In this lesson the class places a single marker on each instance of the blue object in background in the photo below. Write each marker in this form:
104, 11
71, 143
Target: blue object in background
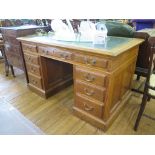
143, 23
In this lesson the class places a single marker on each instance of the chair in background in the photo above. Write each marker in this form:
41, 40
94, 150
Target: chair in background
124, 30
5, 59
143, 55
149, 87
7, 23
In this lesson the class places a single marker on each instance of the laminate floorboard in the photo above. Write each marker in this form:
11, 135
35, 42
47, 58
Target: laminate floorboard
54, 116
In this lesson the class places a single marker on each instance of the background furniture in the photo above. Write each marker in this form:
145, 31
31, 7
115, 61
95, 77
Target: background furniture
102, 75
143, 23
124, 30
4, 56
1, 42
12, 46
149, 88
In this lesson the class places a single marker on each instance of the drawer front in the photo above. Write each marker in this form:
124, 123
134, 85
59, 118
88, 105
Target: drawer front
89, 106
29, 48
65, 55
91, 77
91, 61
90, 91
59, 53
33, 69
45, 50
36, 81
31, 59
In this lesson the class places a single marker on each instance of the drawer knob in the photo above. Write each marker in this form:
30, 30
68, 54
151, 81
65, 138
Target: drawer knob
64, 56
87, 107
34, 82
87, 92
89, 78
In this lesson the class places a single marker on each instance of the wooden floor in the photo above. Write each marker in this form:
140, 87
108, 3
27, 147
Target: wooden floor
54, 115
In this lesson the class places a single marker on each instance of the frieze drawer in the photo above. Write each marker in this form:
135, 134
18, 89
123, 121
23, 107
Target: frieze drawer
45, 50
56, 52
91, 61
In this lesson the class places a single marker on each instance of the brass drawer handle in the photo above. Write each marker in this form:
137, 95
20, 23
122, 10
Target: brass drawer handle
89, 61
87, 107
89, 93
29, 58
34, 82
93, 62
64, 56
33, 69
45, 51
89, 78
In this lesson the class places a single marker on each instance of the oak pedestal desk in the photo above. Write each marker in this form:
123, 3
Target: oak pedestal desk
102, 74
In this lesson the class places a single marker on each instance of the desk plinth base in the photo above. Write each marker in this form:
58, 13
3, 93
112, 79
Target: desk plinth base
53, 90
100, 123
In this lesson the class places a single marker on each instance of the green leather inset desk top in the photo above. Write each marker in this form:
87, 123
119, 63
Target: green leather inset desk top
113, 45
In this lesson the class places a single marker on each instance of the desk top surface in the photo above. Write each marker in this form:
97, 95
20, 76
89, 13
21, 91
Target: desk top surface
113, 46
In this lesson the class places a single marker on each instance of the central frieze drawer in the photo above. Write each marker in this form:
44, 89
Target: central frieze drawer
90, 91
91, 77
33, 69
89, 106
31, 59
59, 53
62, 54
45, 50
34, 80
91, 61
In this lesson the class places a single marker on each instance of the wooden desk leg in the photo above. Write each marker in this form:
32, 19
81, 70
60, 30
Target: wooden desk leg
6, 69
7, 64
12, 70
5, 61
